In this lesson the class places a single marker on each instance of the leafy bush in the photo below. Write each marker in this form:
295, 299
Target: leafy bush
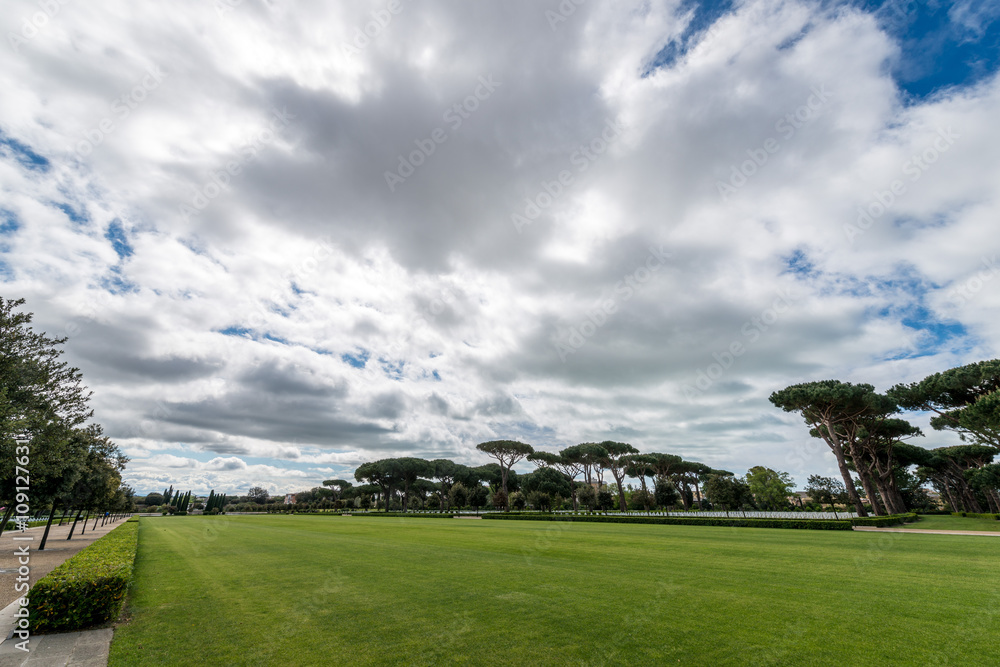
500, 499
517, 500
604, 499
813, 524
975, 515
586, 496
89, 588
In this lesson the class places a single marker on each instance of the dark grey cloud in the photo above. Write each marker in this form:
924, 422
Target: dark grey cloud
122, 354
267, 417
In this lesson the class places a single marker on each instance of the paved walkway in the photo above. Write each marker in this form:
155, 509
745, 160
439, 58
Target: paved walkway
928, 532
88, 648
79, 649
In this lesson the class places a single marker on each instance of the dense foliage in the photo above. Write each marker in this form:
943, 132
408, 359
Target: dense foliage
44, 406
868, 440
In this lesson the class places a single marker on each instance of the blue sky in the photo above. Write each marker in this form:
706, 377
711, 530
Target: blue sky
282, 242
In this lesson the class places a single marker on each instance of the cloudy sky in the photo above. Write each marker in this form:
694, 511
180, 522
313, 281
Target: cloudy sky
284, 238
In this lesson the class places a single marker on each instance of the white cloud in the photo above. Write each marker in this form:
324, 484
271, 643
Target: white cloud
226, 331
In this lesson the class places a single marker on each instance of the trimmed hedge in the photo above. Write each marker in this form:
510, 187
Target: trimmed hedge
882, 521
409, 515
975, 515
810, 524
89, 588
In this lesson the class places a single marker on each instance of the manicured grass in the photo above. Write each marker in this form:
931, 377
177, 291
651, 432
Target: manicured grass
943, 522
299, 590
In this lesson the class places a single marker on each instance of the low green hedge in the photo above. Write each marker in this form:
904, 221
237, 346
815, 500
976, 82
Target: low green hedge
811, 524
409, 515
89, 588
882, 521
976, 515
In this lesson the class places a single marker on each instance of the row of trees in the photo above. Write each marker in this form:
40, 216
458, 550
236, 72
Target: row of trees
862, 430
576, 474
62, 461
859, 425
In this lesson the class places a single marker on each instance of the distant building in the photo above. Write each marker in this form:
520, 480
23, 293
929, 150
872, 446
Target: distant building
289, 498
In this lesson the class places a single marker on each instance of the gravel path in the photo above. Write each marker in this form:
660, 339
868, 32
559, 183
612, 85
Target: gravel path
929, 532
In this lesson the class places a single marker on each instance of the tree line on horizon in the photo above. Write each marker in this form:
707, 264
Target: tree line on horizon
860, 426
573, 477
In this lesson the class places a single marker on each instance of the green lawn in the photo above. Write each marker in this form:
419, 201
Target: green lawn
943, 522
286, 590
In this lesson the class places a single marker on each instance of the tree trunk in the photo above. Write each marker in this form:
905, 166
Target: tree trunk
45, 535
503, 480
970, 500
888, 498
685, 491
994, 497
951, 496
6, 518
621, 492
75, 521
845, 472
872, 493
645, 493
864, 465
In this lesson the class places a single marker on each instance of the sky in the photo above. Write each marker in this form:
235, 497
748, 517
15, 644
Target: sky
284, 238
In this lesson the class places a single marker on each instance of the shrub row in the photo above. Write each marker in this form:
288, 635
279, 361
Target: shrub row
881, 521
409, 515
89, 588
975, 515
813, 524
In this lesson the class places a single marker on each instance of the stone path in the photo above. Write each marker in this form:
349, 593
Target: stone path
929, 532
87, 648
